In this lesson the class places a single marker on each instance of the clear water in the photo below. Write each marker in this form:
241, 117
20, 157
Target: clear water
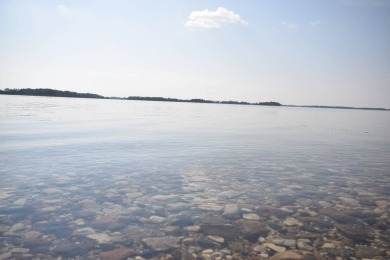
68, 161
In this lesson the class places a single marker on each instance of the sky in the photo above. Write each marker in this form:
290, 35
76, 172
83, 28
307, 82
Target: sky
301, 52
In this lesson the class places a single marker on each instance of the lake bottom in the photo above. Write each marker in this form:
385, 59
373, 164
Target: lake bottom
278, 212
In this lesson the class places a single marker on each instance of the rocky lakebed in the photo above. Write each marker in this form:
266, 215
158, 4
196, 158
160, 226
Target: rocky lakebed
196, 215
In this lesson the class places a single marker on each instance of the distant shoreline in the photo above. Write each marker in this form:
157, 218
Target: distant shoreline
341, 107
60, 93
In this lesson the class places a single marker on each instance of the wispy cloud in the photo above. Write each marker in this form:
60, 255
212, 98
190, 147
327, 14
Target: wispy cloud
213, 19
63, 10
289, 25
315, 23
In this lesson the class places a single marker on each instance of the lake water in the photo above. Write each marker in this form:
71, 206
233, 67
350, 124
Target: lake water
118, 179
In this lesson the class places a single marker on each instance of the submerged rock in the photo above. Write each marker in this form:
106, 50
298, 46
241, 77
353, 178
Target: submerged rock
251, 230
230, 209
70, 249
17, 227
217, 239
251, 216
356, 233
160, 244
100, 237
337, 215
228, 232
287, 255
20, 202
275, 248
368, 252
117, 254
110, 222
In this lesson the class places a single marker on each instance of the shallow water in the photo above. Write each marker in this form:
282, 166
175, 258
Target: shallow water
90, 179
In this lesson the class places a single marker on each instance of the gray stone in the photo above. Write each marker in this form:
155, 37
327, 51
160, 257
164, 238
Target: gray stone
356, 233
117, 254
100, 237
229, 194
284, 242
160, 244
20, 202
251, 230
17, 227
368, 252
251, 216
275, 248
287, 255
4, 256
230, 209
228, 232
20, 250
337, 215
217, 239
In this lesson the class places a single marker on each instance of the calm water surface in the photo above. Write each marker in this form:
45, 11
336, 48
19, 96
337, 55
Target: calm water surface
117, 179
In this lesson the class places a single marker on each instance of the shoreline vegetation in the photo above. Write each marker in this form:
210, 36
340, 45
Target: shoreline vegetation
60, 93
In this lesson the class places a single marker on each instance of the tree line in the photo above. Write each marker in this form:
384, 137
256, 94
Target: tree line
47, 92
61, 93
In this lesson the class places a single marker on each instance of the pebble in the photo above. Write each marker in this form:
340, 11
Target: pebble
160, 244
228, 232
275, 247
79, 222
207, 251
292, 222
284, 242
20, 202
20, 250
303, 246
192, 228
217, 239
49, 209
4, 195
156, 219
17, 227
5, 256
84, 231
117, 254
251, 216
251, 230
260, 249
100, 237
230, 209
288, 255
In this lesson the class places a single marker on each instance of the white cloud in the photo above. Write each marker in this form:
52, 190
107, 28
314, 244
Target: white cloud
66, 11
63, 10
289, 25
213, 19
315, 23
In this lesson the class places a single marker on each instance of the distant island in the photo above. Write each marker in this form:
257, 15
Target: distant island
46, 92
60, 93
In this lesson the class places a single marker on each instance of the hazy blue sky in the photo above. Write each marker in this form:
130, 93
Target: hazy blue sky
330, 52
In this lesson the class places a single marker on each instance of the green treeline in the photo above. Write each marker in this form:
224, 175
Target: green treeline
48, 92
60, 93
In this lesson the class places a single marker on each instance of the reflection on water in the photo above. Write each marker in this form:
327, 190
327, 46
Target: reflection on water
115, 179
